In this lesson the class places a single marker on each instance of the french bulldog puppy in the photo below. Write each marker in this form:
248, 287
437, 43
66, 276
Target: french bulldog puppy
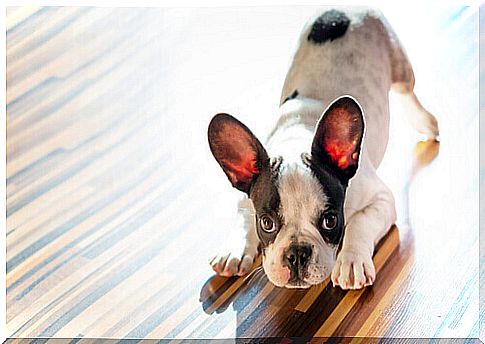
313, 204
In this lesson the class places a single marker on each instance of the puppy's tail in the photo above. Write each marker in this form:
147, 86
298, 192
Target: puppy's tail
403, 84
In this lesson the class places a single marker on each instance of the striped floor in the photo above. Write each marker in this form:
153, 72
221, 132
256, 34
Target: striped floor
115, 205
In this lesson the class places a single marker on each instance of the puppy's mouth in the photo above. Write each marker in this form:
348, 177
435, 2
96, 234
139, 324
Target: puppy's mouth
285, 278
297, 283
297, 279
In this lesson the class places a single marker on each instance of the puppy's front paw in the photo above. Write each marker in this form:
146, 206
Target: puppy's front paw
232, 264
353, 270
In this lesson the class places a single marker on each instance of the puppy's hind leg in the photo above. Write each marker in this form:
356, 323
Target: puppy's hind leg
421, 120
403, 84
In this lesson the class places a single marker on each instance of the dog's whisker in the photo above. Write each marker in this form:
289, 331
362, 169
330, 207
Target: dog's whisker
259, 277
254, 275
251, 275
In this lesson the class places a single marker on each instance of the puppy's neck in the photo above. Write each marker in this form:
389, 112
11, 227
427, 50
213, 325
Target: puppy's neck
293, 132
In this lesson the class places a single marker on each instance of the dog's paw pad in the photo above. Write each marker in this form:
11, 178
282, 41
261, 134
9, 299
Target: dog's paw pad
232, 264
353, 270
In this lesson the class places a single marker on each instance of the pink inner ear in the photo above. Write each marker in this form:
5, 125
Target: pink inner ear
242, 163
243, 170
342, 153
237, 151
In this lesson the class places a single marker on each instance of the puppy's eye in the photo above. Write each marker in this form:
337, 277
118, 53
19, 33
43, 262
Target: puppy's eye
267, 224
329, 222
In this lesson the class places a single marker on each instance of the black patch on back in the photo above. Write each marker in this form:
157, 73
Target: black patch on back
292, 96
329, 26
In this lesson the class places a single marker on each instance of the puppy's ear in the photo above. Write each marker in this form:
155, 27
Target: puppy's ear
338, 137
237, 150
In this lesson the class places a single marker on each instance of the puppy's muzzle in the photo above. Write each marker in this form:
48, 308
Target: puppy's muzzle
297, 257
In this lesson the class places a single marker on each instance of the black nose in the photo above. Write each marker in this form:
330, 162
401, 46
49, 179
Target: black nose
297, 256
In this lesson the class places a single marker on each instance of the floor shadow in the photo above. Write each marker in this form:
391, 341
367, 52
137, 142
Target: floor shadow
262, 308
219, 292
424, 153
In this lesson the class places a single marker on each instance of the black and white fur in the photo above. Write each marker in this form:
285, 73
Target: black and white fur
316, 206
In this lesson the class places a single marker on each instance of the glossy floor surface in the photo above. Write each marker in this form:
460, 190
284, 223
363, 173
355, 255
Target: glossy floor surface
115, 205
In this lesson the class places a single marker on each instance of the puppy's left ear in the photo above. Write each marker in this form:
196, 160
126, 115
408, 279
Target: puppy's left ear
338, 137
237, 150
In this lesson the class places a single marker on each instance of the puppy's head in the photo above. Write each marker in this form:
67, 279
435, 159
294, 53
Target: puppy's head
299, 207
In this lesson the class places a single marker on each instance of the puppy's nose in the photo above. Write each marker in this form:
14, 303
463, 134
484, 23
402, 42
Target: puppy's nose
298, 255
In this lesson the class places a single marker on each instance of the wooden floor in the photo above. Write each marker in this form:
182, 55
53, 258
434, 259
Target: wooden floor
115, 205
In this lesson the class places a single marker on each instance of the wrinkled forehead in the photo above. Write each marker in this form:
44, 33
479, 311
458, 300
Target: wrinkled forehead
302, 197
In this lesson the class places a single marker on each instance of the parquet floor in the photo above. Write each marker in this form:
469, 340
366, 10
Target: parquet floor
114, 203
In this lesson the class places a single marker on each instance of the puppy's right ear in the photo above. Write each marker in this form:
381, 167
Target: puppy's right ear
238, 152
339, 136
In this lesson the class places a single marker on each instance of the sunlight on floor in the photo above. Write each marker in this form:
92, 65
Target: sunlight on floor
114, 202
